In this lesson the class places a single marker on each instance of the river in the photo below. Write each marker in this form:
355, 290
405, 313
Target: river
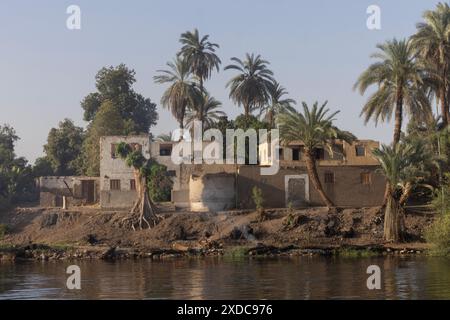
231, 278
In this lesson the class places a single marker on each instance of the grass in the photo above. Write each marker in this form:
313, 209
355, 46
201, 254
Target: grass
356, 253
236, 252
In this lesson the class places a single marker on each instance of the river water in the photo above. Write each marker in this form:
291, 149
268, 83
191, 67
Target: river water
231, 278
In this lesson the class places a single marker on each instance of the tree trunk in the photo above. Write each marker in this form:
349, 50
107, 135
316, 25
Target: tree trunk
406, 193
312, 173
393, 216
143, 211
398, 118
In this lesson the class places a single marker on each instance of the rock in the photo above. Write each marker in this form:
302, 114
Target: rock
91, 239
348, 232
110, 253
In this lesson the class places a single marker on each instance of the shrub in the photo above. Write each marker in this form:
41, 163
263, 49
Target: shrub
438, 234
257, 197
3, 230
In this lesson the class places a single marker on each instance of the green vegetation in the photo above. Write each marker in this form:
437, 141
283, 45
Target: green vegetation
258, 199
159, 183
356, 253
3, 230
236, 252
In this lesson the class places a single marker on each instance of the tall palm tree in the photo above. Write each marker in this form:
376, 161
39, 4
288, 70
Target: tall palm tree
164, 137
432, 43
399, 81
200, 55
182, 91
208, 106
277, 103
401, 165
250, 87
314, 127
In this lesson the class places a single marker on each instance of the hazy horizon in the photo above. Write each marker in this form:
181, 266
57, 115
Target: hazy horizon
316, 50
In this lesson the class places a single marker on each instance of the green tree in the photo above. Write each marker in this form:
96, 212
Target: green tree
314, 127
114, 84
144, 210
432, 43
277, 103
400, 84
208, 106
63, 147
159, 183
200, 55
401, 165
250, 87
43, 167
108, 121
182, 91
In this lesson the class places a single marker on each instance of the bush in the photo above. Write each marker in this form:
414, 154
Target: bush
438, 234
159, 183
3, 230
257, 197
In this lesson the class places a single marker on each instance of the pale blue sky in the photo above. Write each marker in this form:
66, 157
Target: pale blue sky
317, 49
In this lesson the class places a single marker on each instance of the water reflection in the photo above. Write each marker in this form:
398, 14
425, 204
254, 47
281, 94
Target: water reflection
219, 278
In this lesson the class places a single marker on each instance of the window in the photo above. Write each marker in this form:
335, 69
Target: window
360, 151
319, 153
366, 178
114, 184
132, 184
165, 150
171, 173
295, 153
113, 150
281, 154
329, 177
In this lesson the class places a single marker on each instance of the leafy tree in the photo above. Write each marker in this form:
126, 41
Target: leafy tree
159, 183
144, 210
114, 84
250, 87
200, 56
401, 165
400, 84
64, 147
43, 167
432, 43
314, 127
208, 106
277, 103
164, 137
107, 122
182, 91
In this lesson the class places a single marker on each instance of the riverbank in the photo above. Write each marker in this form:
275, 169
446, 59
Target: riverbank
90, 233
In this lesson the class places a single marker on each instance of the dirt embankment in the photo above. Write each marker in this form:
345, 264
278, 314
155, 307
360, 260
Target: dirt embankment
97, 233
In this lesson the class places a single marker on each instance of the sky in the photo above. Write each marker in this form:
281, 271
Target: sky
317, 49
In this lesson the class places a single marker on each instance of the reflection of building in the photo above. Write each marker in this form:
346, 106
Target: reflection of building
349, 177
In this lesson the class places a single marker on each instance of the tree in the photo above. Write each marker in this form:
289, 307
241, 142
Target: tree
277, 103
205, 110
114, 84
144, 210
64, 147
200, 56
43, 167
182, 91
432, 43
164, 137
399, 81
314, 127
250, 88
107, 122
400, 164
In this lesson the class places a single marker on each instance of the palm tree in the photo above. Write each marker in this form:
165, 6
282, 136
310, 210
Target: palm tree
277, 103
200, 55
432, 43
208, 106
250, 87
401, 165
164, 137
182, 92
399, 81
315, 129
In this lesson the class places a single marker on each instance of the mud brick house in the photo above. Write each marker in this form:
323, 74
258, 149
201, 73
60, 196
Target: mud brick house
349, 175
77, 190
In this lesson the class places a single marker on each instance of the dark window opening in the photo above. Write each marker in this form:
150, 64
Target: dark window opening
281, 154
296, 154
319, 154
114, 184
132, 184
113, 150
171, 173
329, 177
165, 150
366, 178
360, 151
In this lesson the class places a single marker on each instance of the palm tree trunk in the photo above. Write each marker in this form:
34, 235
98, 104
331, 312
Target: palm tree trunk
444, 105
202, 93
393, 216
406, 193
312, 173
398, 117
